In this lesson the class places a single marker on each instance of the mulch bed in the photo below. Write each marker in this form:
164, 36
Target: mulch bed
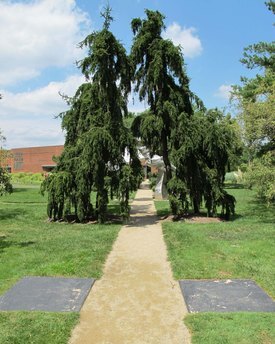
193, 219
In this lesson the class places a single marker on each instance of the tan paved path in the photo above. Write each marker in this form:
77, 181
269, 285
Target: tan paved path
136, 301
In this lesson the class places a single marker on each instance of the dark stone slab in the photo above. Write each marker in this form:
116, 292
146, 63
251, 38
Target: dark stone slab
225, 296
52, 294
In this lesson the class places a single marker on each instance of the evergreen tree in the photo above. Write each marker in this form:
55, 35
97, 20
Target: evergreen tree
201, 156
96, 138
198, 146
161, 81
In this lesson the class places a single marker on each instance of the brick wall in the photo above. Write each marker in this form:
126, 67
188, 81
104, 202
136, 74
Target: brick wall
39, 159
33, 159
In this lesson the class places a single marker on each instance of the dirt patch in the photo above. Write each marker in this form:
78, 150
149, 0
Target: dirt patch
192, 219
225, 274
203, 219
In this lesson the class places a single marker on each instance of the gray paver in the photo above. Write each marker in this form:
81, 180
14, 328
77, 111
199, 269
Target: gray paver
225, 296
53, 294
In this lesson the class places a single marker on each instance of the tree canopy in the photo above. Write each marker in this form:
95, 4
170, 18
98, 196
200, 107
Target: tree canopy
256, 96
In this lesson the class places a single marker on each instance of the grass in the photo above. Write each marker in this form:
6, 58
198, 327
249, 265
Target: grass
162, 208
241, 248
36, 327
241, 328
31, 246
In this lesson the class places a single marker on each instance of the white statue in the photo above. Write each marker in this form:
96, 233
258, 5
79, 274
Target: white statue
160, 189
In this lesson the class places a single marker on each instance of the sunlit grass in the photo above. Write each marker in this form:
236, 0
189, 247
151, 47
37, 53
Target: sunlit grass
232, 328
36, 327
241, 248
32, 246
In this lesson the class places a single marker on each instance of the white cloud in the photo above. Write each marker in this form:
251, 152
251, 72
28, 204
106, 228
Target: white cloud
186, 38
30, 133
27, 118
224, 92
39, 34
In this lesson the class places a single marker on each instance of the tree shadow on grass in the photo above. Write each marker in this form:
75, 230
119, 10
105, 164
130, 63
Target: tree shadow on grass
164, 212
262, 212
234, 186
235, 217
22, 196
5, 243
25, 243
16, 190
6, 214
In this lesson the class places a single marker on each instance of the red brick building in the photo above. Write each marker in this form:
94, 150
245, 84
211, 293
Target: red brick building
40, 160
33, 159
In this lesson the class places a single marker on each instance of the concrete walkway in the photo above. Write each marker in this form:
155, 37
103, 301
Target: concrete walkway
137, 300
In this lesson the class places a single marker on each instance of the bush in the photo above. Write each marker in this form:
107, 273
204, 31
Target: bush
5, 185
261, 176
233, 177
27, 178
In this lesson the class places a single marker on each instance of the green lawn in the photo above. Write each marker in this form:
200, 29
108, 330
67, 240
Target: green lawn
36, 327
232, 328
31, 246
241, 248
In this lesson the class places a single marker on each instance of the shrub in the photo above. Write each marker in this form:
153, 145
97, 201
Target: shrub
261, 176
5, 185
233, 177
27, 178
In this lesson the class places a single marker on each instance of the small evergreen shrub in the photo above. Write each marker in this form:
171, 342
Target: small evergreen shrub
27, 178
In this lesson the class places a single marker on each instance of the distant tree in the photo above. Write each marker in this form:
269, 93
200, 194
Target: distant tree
256, 101
261, 54
260, 174
96, 137
256, 96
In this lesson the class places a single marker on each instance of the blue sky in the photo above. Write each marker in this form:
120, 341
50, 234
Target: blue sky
39, 48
